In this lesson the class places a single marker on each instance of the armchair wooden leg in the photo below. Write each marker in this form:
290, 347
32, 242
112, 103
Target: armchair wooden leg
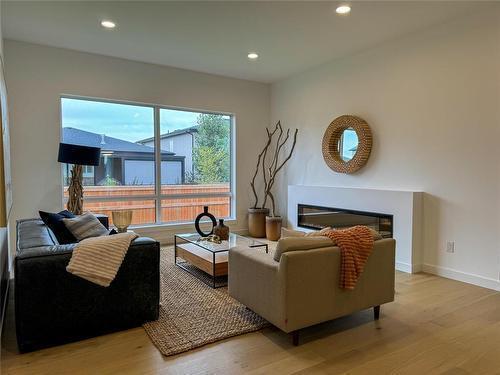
376, 312
295, 338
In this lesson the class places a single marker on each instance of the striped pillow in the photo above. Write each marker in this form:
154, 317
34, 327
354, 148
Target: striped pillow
85, 226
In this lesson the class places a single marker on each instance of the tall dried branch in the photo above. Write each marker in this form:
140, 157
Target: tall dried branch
274, 160
252, 183
289, 154
270, 139
273, 203
275, 157
262, 157
279, 146
278, 166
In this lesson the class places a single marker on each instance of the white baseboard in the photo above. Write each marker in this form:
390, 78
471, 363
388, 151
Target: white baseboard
465, 277
404, 267
408, 268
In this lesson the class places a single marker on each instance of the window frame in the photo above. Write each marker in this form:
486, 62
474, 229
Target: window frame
158, 196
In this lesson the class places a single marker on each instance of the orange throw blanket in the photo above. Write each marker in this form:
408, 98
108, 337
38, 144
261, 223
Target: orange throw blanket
356, 245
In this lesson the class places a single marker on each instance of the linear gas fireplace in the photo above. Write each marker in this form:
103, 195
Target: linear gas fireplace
317, 217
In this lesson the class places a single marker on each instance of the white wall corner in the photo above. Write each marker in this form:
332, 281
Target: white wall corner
409, 268
417, 257
404, 267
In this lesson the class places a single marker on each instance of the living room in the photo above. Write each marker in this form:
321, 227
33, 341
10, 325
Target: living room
297, 124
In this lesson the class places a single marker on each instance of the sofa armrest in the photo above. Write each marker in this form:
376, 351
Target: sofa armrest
143, 241
254, 280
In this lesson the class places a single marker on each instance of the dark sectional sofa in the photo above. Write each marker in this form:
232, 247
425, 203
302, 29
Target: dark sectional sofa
54, 307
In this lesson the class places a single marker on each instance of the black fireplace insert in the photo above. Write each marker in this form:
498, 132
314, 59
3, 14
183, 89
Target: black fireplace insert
317, 217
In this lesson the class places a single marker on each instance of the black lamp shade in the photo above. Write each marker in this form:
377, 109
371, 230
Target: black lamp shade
76, 154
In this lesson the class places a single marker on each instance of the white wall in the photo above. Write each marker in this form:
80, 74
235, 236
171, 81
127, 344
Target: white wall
433, 102
38, 75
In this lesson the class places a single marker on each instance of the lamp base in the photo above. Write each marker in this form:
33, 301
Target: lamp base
75, 190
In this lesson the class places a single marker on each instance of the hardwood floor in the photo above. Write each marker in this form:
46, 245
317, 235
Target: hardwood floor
435, 326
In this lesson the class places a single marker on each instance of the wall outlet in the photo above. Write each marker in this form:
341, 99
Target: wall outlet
450, 246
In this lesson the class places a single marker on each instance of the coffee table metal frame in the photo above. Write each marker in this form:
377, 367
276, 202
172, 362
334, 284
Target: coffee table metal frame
213, 283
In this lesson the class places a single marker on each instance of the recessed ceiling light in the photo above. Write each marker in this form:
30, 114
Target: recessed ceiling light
108, 24
253, 56
343, 9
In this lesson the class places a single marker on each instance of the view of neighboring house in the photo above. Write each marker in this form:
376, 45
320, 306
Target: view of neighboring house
180, 142
124, 162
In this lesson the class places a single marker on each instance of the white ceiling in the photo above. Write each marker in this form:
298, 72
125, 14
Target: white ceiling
215, 37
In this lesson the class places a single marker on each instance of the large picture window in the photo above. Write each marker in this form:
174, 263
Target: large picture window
164, 164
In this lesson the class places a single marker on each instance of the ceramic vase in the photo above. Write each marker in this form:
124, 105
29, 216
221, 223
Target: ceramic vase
222, 230
204, 214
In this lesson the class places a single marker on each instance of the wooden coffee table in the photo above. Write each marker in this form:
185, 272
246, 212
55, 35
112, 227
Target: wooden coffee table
209, 257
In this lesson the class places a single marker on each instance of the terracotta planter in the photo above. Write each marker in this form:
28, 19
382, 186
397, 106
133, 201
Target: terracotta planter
257, 222
273, 228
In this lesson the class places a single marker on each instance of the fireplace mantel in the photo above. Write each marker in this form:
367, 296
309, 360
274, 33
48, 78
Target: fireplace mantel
404, 206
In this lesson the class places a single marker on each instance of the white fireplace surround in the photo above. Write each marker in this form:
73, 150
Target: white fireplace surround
405, 206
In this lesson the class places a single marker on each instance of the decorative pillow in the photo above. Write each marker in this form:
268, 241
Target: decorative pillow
85, 226
317, 233
376, 235
55, 223
298, 233
300, 243
306, 241
285, 233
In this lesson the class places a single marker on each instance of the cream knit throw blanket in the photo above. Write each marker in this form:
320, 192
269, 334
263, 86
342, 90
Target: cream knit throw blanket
97, 259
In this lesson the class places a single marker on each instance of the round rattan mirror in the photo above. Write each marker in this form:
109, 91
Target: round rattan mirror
347, 144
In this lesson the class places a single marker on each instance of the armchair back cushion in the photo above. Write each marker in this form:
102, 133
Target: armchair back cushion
300, 243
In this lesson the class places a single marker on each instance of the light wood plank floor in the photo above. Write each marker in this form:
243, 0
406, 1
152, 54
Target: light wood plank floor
435, 326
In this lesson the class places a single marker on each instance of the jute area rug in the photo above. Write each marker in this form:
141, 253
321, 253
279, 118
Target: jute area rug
192, 314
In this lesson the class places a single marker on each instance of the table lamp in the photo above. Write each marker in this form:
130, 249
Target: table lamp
77, 155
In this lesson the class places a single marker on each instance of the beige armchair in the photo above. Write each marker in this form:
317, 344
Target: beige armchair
302, 288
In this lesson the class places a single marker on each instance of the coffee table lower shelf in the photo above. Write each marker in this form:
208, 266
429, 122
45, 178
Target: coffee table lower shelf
206, 261
214, 265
